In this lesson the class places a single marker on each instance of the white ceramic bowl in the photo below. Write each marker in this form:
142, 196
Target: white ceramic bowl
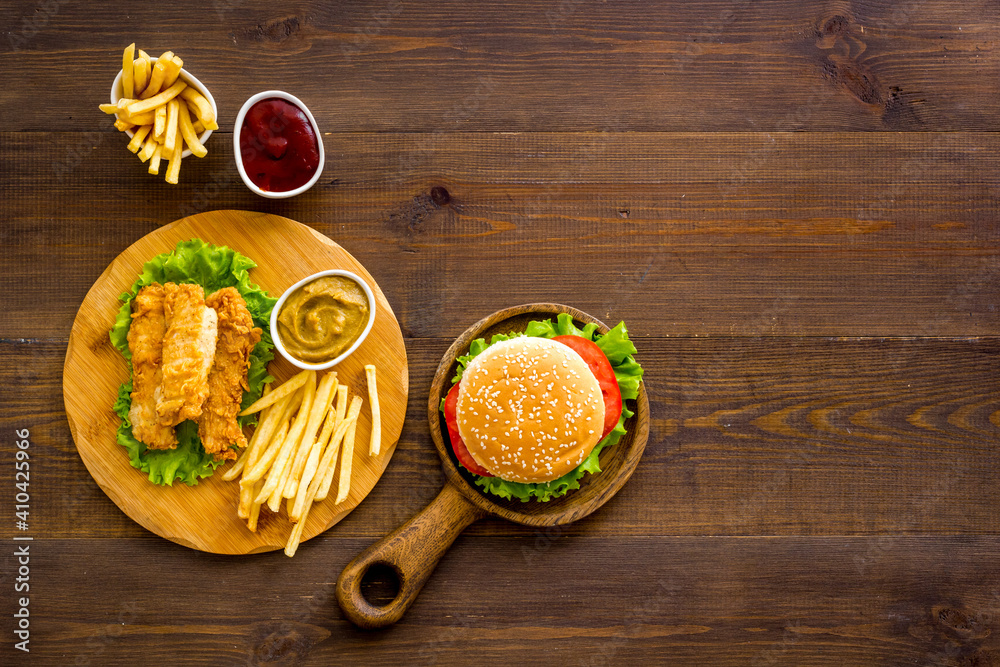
239, 155
116, 94
276, 336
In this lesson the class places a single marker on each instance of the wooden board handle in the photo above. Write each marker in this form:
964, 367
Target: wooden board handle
412, 551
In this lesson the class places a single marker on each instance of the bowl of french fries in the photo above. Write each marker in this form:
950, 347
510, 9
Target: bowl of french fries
165, 110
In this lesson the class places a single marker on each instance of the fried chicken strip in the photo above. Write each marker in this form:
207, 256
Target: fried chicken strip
188, 353
227, 380
145, 342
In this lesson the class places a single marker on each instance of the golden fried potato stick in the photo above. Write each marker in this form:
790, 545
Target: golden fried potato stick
139, 137
128, 87
123, 125
154, 160
159, 121
290, 444
265, 453
142, 119
248, 493
343, 427
329, 462
202, 108
254, 510
117, 108
156, 100
347, 451
140, 75
288, 387
187, 131
172, 70
327, 465
274, 500
170, 134
274, 446
157, 76
334, 445
324, 398
314, 465
376, 441
283, 466
148, 148
296, 537
174, 168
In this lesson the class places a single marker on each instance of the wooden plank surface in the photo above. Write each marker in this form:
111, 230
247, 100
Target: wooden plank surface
749, 436
793, 205
711, 600
388, 65
679, 234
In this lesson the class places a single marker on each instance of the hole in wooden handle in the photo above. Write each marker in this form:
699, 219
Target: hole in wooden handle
381, 583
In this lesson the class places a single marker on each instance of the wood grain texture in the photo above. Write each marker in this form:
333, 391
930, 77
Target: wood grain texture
793, 205
719, 65
713, 600
203, 516
748, 436
678, 234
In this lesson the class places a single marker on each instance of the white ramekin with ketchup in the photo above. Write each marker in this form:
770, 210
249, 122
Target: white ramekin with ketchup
278, 148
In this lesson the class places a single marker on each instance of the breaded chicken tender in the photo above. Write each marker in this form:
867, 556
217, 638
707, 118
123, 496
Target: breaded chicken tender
227, 380
188, 353
145, 342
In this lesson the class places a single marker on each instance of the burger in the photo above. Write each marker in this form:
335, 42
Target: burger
529, 414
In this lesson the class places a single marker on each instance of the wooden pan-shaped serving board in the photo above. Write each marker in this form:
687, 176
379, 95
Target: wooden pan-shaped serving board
204, 516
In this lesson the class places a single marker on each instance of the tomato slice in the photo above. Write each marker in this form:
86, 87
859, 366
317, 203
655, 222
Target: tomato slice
601, 368
461, 451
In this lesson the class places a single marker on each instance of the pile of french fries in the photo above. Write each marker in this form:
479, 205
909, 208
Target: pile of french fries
162, 111
303, 425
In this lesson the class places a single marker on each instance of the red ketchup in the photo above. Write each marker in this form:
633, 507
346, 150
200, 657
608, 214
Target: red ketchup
278, 146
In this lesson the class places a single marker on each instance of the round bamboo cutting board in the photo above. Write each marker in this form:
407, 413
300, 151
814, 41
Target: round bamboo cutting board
204, 516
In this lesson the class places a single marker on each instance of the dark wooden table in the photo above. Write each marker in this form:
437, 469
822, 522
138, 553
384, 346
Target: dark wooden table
793, 205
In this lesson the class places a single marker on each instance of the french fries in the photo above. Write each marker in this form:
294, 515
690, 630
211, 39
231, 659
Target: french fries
159, 122
154, 161
140, 73
306, 424
128, 74
286, 389
320, 408
148, 148
156, 100
187, 131
164, 113
174, 168
347, 452
170, 133
376, 441
201, 108
338, 437
138, 138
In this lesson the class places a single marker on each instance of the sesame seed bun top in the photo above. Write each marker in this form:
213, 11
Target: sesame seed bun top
529, 409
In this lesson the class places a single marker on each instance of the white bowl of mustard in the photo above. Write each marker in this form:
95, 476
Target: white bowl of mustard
322, 319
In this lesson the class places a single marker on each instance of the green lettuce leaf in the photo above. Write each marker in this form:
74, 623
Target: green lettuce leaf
619, 350
212, 267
